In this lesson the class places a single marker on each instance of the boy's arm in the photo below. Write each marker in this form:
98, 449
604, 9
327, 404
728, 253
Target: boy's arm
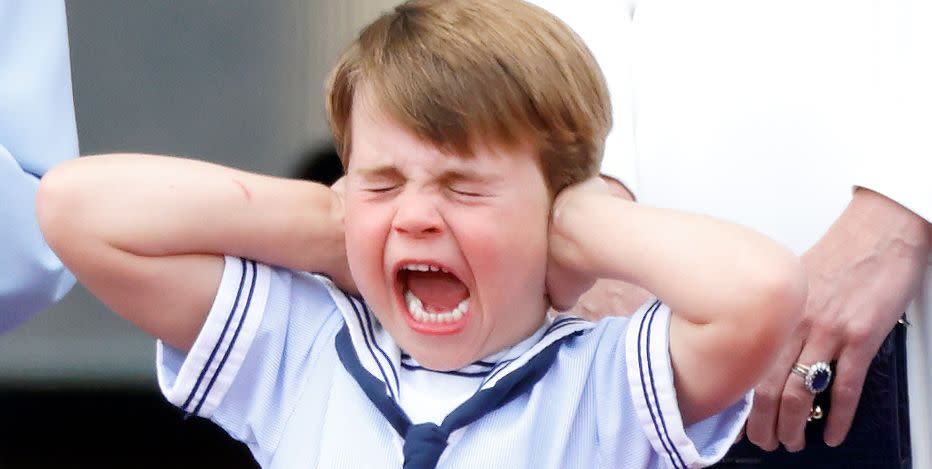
735, 294
146, 234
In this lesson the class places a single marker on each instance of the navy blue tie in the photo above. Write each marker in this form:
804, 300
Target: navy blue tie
425, 442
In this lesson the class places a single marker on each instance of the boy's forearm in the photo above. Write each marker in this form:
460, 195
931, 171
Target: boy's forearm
699, 266
162, 206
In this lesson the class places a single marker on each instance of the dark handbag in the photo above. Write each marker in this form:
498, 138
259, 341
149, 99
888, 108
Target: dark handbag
879, 436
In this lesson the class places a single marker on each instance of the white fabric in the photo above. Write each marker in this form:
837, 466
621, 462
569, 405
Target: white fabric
767, 113
607, 401
430, 395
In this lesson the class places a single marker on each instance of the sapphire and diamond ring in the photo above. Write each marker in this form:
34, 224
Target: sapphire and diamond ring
816, 377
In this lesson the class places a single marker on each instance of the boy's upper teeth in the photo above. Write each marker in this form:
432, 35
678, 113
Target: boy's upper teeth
424, 268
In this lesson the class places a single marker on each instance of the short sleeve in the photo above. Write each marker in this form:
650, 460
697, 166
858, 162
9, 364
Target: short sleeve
650, 378
260, 346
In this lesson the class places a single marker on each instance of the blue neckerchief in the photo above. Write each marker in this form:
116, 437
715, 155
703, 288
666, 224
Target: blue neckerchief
373, 359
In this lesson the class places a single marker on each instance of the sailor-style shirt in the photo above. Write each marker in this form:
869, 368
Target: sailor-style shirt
304, 375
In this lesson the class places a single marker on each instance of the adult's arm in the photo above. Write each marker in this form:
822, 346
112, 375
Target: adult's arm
868, 266
37, 131
862, 274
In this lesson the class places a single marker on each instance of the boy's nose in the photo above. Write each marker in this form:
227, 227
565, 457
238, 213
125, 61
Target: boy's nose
417, 215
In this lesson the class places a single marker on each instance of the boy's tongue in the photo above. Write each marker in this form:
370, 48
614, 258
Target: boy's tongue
439, 292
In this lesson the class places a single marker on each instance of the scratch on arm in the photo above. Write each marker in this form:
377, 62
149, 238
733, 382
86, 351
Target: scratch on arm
246, 193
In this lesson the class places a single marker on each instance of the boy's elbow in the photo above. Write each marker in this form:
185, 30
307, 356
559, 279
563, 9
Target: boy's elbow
780, 300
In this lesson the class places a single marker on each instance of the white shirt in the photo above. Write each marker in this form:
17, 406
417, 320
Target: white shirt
265, 367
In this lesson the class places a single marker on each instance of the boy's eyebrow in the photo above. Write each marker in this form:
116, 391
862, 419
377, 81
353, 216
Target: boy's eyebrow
468, 174
379, 172
450, 175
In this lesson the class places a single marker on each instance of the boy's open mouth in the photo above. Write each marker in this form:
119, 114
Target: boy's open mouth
437, 301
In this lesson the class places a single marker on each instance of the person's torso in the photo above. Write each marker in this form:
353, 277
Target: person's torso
753, 112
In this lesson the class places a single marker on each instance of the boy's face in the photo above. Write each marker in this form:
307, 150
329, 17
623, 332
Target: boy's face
450, 253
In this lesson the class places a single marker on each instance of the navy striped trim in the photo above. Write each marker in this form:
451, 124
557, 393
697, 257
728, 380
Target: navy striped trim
664, 435
561, 323
476, 368
468, 374
369, 344
371, 385
405, 356
223, 332
239, 327
378, 347
553, 327
501, 366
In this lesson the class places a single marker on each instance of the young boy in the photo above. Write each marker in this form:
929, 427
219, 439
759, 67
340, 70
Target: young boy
471, 131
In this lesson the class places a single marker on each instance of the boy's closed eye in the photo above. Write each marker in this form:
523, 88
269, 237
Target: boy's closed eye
379, 180
470, 192
380, 188
469, 185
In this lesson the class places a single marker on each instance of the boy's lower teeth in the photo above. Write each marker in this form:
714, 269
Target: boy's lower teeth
416, 307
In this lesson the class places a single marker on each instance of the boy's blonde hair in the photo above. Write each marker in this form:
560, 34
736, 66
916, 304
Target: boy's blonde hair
458, 72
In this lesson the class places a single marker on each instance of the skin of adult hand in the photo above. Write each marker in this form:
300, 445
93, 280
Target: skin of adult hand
862, 274
610, 298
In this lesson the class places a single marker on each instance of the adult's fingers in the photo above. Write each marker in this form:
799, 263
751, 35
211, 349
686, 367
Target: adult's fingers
761, 427
610, 298
796, 402
846, 391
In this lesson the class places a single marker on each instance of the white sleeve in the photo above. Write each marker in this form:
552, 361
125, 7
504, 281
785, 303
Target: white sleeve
606, 28
899, 161
37, 131
650, 378
260, 346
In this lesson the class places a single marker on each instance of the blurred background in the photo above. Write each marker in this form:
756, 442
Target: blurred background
237, 82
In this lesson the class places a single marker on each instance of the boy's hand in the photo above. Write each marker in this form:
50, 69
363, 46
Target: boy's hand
567, 275
342, 277
611, 297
